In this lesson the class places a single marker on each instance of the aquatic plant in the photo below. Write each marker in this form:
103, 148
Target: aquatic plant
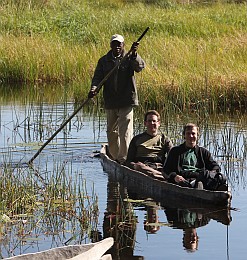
48, 204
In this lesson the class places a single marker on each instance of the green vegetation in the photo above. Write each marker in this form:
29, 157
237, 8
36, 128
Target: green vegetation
50, 204
195, 53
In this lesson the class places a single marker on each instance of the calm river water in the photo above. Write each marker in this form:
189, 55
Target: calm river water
78, 142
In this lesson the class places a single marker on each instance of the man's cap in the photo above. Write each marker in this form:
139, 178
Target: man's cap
117, 37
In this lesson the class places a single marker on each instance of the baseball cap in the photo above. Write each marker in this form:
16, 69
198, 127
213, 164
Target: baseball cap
117, 37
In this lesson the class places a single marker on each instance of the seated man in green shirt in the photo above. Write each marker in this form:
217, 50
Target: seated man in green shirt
147, 151
189, 161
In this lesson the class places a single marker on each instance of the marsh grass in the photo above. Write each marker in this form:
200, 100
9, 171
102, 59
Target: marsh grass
194, 52
30, 209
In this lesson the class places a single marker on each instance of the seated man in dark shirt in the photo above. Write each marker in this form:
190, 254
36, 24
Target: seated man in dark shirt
148, 150
188, 162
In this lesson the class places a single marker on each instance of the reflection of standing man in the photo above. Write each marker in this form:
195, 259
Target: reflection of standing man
120, 94
120, 222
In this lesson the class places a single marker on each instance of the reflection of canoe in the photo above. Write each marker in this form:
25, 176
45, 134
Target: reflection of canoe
161, 190
221, 214
93, 251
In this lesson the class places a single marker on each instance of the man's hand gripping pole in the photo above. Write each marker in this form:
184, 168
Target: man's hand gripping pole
94, 92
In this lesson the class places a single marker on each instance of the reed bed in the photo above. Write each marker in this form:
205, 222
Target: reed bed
194, 52
58, 206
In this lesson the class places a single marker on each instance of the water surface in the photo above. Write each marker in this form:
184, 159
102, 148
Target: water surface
24, 126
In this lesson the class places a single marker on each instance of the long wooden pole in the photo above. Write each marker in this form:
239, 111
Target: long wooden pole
99, 86
57, 131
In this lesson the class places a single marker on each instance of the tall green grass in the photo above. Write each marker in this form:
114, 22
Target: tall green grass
195, 53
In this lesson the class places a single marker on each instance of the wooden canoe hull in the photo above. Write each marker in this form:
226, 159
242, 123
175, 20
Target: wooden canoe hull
162, 190
75, 252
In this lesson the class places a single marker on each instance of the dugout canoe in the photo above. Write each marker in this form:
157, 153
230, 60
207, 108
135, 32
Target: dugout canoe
92, 251
161, 190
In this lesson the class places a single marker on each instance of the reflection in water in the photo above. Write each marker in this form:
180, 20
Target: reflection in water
120, 222
188, 221
190, 239
151, 223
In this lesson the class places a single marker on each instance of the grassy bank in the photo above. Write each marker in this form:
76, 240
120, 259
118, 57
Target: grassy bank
195, 53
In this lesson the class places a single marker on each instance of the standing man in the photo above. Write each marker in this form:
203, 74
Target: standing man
119, 93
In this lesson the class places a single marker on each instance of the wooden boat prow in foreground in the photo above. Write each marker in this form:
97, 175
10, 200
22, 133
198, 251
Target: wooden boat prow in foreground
92, 251
162, 190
